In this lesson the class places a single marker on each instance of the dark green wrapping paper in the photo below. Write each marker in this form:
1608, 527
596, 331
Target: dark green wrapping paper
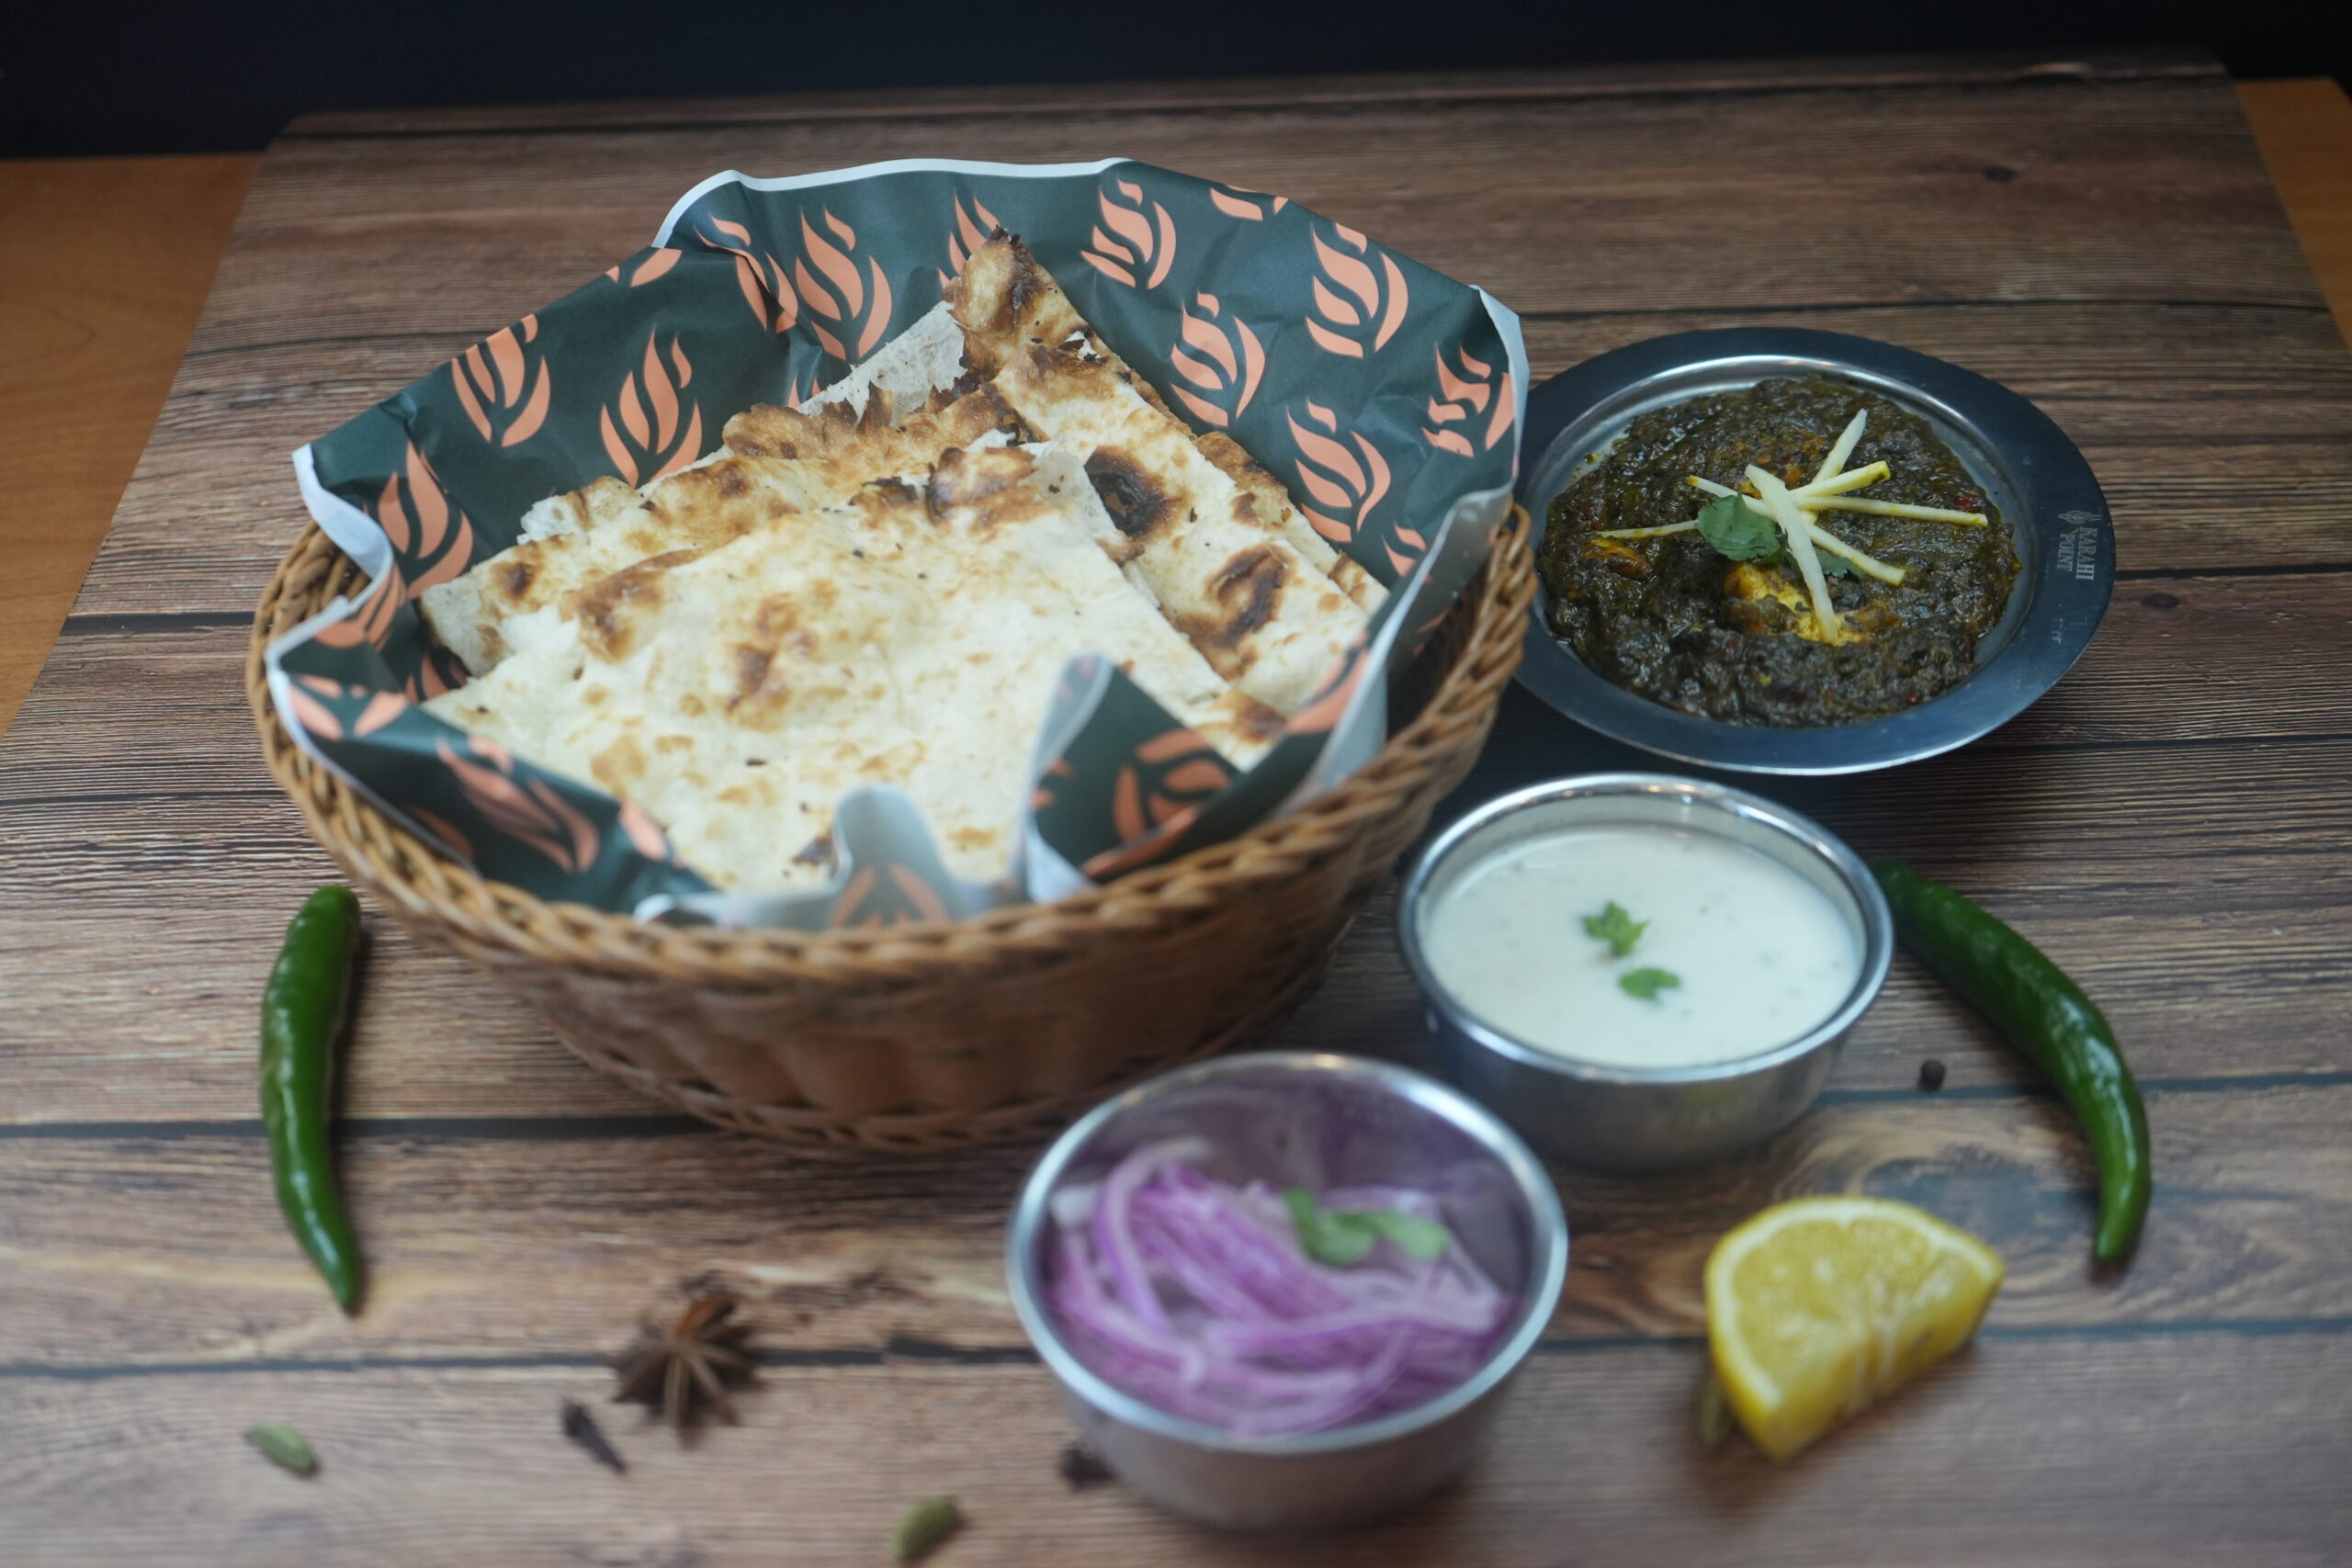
1383, 394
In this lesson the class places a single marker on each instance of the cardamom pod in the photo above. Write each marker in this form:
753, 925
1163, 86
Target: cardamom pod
284, 1447
923, 1526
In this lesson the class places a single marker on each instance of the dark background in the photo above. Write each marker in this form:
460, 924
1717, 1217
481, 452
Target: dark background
136, 75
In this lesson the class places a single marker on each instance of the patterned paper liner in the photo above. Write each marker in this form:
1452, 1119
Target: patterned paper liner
1384, 395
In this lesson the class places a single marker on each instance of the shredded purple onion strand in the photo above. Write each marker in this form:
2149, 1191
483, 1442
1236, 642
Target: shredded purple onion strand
1197, 1297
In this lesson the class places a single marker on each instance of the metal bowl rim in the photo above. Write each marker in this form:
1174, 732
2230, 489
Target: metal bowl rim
1539, 1296
1878, 926
2050, 481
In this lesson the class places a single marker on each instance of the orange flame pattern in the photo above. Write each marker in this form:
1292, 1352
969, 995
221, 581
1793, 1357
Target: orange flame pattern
439, 670
1350, 298
650, 438
761, 277
372, 621
423, 523
1136, 240
1323, 711
528, 810
857, 307
654, 265
1344, 485
1236, 201
1469, 391
452, 841
1225, 362
496, 381
1159, 792
319, 722
1170, 776
971, 231
645, 835
1048, 784
858, 904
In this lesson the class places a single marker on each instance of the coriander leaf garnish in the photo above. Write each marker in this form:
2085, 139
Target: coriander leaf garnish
1341, 1237
1836, 564
1326, 1234
1737, 531
1421, 1240
1647, 984
1616, 928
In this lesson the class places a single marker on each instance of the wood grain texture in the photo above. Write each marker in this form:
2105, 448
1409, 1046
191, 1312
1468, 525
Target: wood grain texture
2154, 1451
2121, 786
2170, 823
866, 1256
104, 265
2175, 405
1587, 212
1225, 95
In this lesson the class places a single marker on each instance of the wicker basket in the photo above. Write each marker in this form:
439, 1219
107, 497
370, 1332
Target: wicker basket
928, 1036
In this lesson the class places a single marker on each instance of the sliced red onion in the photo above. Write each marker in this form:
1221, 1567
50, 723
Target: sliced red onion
1113, 1229
1196, 1296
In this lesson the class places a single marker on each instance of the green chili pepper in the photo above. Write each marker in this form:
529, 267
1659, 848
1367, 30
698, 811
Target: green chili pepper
302, 1012
2045, 1015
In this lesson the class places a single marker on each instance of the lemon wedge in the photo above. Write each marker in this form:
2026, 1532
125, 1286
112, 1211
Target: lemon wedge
1818, 1306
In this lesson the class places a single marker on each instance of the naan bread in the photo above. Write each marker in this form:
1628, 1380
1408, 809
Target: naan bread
1212, 535
787, 463
909, 369
909, 637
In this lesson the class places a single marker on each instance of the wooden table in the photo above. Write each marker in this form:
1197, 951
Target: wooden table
2171, 823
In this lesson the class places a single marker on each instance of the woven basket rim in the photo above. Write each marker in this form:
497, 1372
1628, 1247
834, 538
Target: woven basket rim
509, 916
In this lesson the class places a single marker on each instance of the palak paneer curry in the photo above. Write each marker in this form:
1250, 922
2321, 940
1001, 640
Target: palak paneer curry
1796, 554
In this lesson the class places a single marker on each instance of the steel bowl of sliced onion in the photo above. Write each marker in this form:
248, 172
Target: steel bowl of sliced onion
1286, 1291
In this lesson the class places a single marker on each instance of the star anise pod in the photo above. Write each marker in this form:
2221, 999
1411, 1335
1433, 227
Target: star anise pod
687, 1369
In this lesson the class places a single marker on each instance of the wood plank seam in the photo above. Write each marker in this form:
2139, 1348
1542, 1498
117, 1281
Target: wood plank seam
2240, 573
575, 1129
900, 1354
1892, 302
2052, 75
1898, 302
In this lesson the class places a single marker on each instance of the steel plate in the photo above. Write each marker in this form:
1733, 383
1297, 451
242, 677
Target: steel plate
2065, 542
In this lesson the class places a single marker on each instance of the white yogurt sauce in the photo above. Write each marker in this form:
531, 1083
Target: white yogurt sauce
1762, 955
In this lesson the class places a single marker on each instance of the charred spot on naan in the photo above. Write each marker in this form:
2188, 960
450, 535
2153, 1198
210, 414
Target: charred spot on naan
1137, 502
511, 580
752, 663
1265, 501
1248, 590
983, 481
1008, 304
721, 501
827, 436
982, 412
764, 430
1252, 720
782, 636
1248, 586
610, 610
620, 766
998, 300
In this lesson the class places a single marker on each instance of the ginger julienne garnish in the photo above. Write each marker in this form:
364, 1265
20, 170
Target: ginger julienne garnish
687, 1368
1795, 512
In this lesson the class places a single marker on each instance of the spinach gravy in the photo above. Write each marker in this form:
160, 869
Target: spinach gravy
1674, 620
